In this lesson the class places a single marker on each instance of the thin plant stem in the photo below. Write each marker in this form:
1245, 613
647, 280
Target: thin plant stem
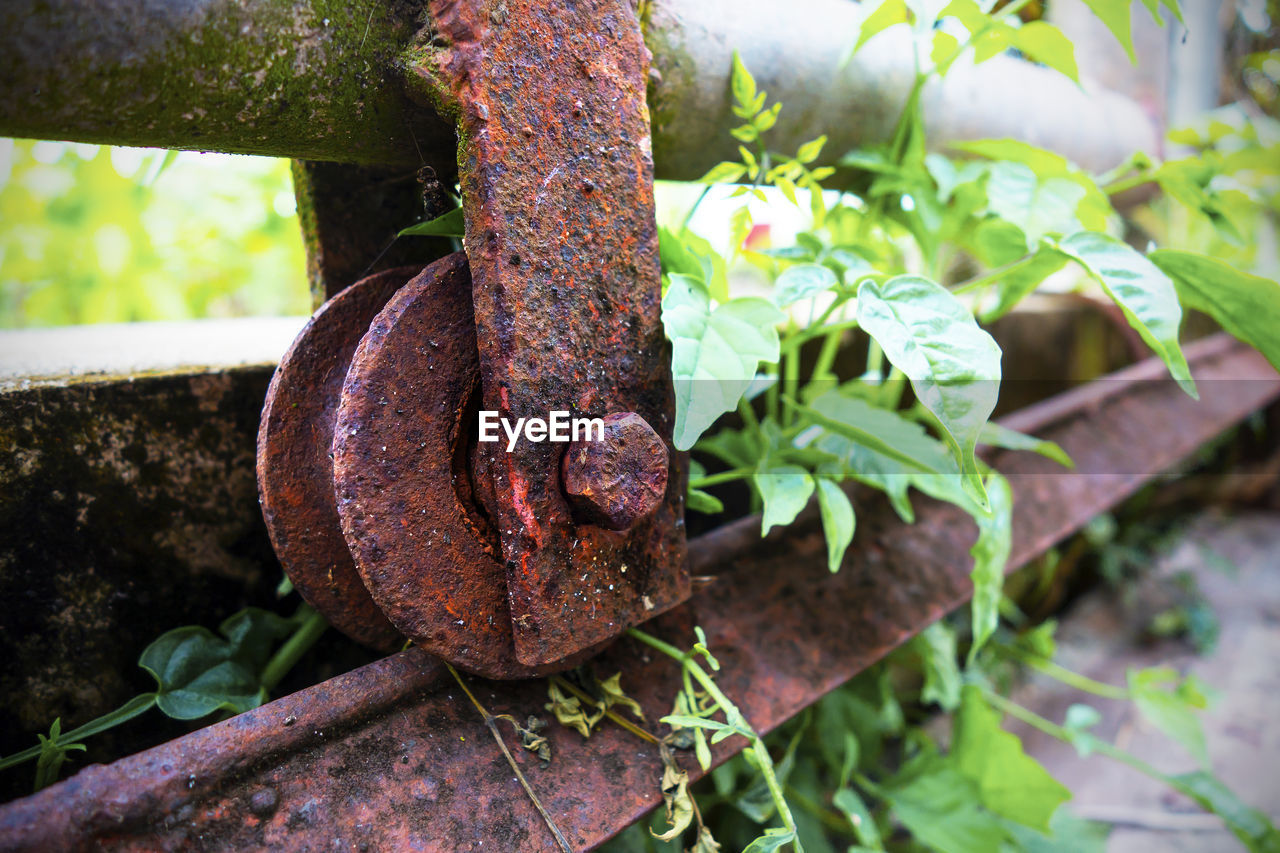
992, 276
311, 626
748, 415
694, 209
733, 717
802, 337
721, 477
790, 379
135, 706
582, 695
1031, 718
1066, 676
492, 725
892, 390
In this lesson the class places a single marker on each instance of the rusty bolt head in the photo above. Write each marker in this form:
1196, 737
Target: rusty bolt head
616, 481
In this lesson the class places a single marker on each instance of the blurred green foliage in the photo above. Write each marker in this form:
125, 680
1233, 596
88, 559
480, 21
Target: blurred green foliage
94, 234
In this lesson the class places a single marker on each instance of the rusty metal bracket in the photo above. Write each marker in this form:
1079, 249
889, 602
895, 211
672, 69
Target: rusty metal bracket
391, 756
507, 563
557, 184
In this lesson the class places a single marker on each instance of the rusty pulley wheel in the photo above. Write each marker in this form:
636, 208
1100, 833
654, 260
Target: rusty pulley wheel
295, 471
402, 479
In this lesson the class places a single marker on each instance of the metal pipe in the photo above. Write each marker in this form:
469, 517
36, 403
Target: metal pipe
326, 80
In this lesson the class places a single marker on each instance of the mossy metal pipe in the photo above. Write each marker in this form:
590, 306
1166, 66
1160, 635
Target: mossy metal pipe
329, 80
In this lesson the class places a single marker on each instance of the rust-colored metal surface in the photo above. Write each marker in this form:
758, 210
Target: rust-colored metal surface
399, 454
619, 477
557, 184
393, 757
295, 472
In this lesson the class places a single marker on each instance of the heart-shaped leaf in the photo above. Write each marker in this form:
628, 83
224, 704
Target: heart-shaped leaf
714, 351
953, 365
1144, 293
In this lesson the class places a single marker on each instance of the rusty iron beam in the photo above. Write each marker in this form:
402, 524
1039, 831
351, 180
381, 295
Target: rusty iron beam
391, 755
326, 80
557, 188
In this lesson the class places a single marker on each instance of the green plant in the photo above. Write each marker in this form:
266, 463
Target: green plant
94, 234
916, 252
197, 673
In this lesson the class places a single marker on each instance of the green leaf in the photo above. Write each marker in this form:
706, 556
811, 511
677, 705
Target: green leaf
990, 554
724, 172
1247, 306
1047, 44
714, 353
941, 808
1079, 719
913, 449
785, 489
1144, 293
1190, 183
886, 14
1010, 782
809, 152
698, 500
944, 48
903, 442
1018, 283
1252, 827
685, 721
766, 119
802, 281
1172, 711
449, 224
1068, 834
936, 646
1115, 14
199, 673
859, 816
774, 838
688, 254
837, 521
1038, 206
703, 502
967, 12
1094, 211
995, 435
953, 365
743, 84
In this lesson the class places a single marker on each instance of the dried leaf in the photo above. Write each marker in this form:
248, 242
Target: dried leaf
705, 843
569, 711
613, 695
675, 795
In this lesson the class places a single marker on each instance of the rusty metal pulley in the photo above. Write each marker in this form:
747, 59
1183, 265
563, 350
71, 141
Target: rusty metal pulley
384, 508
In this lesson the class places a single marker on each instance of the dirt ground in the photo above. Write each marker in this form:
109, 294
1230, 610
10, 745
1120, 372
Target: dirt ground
1235, 560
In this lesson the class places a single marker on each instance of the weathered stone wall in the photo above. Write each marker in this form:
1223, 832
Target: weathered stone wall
127, 507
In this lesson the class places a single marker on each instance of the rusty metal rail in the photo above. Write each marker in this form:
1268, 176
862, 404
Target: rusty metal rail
392, 757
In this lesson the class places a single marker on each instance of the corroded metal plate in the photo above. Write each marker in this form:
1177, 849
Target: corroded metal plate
557, 184
295, 472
